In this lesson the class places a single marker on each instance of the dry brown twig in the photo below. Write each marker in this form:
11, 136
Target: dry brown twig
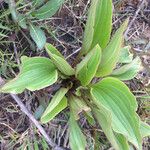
141, 5
36, 123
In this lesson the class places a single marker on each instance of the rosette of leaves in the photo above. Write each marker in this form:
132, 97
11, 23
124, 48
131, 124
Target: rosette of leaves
106, 99
40, 11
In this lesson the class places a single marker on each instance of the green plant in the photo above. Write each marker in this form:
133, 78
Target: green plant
93, 87
26, 15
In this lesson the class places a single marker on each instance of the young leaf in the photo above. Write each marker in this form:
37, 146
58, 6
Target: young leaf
36, 73
60, 62
115, 96
104, 118
57, 104
128, 71
86, 69
77, 105
48, 10
76, 138
98, 26
38, 36
125, 55
111, 53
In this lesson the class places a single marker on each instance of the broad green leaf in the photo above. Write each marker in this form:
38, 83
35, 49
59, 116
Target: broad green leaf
57, 104
60, 62
111, 53
114, 95
145, 129
125, 55
22, 21
128, 71
48, 10
98, 26
77, 139
38, 36
86, 69
36, 73
77, 105
104, 118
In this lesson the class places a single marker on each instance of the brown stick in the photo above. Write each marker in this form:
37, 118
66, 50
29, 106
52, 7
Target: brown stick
36, 123
135, 15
